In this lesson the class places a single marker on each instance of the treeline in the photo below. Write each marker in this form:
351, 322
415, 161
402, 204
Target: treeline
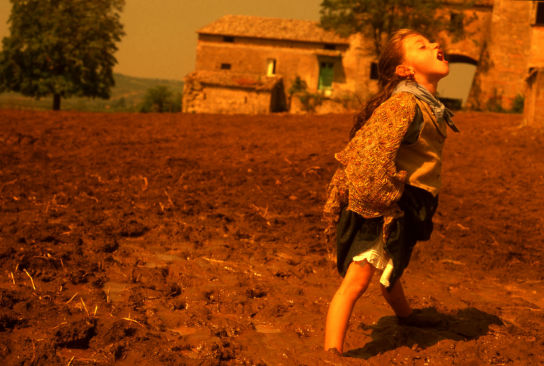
130, 94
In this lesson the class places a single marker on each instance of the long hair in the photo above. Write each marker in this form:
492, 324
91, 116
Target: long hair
392, 55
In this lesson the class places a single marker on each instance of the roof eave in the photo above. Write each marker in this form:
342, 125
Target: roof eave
343, 43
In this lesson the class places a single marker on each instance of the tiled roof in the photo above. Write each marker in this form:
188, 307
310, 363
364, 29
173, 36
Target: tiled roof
476, 3
233, 79
271, 28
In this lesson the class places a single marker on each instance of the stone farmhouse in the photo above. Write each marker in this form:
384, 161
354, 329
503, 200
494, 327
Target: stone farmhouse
248, 64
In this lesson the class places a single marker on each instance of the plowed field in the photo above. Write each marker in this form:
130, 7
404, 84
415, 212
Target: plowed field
149, 239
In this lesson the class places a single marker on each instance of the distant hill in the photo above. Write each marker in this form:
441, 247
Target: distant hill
126, 96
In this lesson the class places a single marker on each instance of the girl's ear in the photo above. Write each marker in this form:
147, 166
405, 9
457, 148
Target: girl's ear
404, 71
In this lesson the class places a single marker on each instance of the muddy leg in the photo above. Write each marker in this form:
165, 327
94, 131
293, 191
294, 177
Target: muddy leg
396, 299
353, 286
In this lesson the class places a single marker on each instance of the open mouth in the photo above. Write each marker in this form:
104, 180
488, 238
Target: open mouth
440, 55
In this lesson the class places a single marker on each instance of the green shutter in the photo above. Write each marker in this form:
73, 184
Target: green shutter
326, 75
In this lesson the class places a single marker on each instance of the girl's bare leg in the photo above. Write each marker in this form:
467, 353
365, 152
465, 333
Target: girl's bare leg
396, 299
354, 284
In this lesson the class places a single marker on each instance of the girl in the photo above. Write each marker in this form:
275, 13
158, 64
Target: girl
384, 195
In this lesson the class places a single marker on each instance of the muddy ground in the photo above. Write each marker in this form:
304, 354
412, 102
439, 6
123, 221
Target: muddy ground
176, 239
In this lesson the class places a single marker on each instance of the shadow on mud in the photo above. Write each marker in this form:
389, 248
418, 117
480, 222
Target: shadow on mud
467, 324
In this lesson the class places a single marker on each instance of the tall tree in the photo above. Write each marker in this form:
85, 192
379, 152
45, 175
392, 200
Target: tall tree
378, 18
61, 48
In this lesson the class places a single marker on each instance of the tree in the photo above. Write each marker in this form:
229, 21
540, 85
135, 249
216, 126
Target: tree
160, 99
61, 48
378, 18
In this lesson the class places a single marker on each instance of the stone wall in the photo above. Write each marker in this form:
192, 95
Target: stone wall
501, 39
502, 70
251, 56
536, 54
230, 92
477, 23
534, 98
225, 100
357, 65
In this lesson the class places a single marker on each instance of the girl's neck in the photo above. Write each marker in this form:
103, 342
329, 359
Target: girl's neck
427, 84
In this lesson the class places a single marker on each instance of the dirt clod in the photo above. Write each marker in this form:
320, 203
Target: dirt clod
75, 334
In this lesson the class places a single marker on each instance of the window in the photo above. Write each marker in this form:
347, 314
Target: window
326, 75
456, 21
225, 66
539, 13
228, 39
373, 71
271, 67
330, 47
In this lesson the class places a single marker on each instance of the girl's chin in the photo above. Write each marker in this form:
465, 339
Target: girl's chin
445, 72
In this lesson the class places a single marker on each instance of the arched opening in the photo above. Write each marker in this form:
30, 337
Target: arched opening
453, 90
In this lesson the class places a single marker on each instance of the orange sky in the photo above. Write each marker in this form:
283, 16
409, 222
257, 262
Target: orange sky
160, 36
160, 39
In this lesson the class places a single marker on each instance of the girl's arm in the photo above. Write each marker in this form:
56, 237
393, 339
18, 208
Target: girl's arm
374, 183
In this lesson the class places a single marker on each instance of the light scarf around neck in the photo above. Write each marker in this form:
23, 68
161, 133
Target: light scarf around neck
439, 109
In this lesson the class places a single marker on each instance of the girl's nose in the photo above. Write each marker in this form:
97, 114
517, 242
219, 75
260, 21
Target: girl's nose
435, 45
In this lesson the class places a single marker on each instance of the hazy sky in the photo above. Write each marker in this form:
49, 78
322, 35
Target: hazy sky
160, 38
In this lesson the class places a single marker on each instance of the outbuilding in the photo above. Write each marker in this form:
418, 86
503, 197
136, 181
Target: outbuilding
221, 92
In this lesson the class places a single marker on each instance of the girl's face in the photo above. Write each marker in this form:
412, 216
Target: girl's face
424, 60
